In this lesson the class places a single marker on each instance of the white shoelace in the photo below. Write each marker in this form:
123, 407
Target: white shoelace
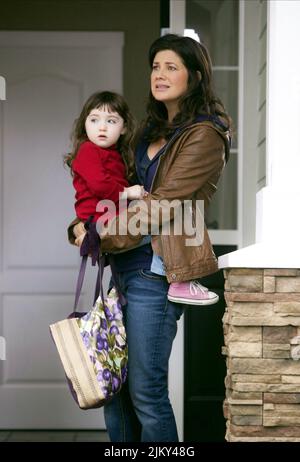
195, 286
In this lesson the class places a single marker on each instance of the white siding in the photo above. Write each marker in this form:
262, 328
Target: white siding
262, 47
253, 54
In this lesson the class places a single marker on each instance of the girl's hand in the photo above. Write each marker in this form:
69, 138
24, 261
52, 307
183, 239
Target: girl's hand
135, 192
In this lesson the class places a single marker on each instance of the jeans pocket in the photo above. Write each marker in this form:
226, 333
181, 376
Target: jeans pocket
147, 274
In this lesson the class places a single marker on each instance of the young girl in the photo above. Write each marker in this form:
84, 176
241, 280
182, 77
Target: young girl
102, 157
102, 162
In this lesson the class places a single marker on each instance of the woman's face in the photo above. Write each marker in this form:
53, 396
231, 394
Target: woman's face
169, 77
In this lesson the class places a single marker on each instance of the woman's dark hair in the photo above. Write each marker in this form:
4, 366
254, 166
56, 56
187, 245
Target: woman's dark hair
114, 103
199, 98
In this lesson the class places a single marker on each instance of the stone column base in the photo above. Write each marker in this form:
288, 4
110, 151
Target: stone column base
262, 345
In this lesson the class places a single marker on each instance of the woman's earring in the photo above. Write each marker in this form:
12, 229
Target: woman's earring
199, 76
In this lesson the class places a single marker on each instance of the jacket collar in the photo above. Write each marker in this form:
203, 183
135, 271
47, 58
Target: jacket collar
214, 121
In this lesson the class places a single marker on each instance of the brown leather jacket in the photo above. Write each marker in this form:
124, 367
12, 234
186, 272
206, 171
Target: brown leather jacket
189, 169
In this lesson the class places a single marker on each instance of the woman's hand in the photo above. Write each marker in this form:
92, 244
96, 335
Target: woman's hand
79, 229
79, 239
79, 232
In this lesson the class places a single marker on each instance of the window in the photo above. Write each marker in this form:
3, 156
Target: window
217, 24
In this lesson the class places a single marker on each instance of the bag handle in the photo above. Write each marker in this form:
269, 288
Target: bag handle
91, 246
99, 285
80, 281
115, 279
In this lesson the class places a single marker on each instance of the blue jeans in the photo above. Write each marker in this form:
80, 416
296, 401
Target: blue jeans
142, 410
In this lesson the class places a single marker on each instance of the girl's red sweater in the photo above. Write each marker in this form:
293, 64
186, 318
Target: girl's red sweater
99, 173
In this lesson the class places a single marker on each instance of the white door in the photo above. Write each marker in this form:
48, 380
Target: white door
48, 77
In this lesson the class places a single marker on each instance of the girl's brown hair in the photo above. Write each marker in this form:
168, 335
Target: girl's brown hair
114, 103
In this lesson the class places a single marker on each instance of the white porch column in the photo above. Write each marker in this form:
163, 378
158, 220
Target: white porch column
278, 204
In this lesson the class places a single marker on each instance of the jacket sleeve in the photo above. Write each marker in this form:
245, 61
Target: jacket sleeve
200, 155
89, 165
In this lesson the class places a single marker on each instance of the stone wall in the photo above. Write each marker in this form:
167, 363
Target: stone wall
262, 345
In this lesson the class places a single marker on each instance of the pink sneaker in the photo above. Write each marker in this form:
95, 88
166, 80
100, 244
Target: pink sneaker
191, 293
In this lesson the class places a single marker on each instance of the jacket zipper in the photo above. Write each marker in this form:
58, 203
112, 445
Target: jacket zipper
174, 138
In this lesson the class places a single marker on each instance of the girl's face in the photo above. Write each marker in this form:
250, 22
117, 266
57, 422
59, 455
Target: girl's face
103, 127
169, 77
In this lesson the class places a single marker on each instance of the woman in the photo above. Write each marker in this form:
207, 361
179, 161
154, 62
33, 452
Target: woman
181, 153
